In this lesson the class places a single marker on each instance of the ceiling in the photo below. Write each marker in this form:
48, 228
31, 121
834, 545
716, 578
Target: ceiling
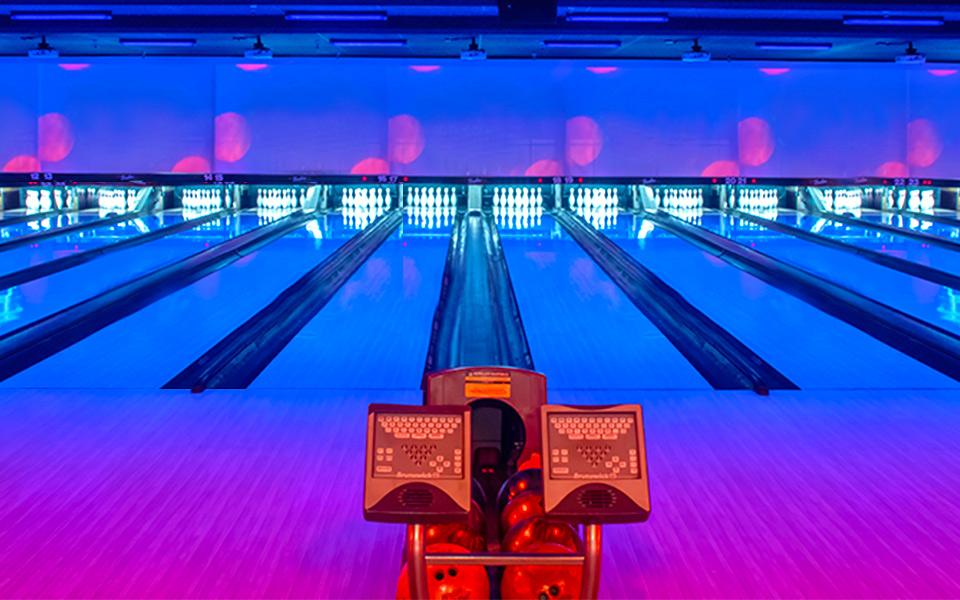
819, 30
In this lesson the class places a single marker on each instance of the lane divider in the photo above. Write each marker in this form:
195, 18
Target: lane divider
36, 216
925, 217
72, 260
722, 359
33, 238
892, 262
236, 360
26, 346
928, 238
932, 345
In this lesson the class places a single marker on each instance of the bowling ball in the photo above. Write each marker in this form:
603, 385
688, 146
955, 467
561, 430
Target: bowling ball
521, 481
539, 582
541, 530
455, 533
534, 462
477, 519
450, 581
476, 492
523, 506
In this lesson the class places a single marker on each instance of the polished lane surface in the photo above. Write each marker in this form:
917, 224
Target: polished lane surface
900, 246
14, 230
41, 297
374, 332
149, 347
936, 304
56, 247
583, 331
805, 344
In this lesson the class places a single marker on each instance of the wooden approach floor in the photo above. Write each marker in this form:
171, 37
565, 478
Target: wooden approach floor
107, 494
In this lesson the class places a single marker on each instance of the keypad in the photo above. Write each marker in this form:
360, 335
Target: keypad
419, 446
598, 446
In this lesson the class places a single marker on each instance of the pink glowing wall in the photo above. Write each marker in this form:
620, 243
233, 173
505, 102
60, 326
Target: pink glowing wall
493, 118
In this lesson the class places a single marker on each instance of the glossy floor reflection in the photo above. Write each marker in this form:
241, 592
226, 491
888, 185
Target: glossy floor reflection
230, 494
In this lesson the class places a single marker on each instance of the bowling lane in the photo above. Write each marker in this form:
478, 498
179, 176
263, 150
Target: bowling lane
872, 239
806, 345
25, 303
149, 347
584, 333
13, 230
933, 303
374, 332
951, 232
79, 241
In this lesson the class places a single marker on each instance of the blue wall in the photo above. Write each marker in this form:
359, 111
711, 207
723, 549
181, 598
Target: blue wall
536, 117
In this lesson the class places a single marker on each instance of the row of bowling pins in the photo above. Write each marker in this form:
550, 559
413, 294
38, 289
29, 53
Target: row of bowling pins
689, 213
678, 198
431, 197
365, 197
360, 216
768, 212
198, 199
761, 199
922, 200
520, 210
843, 199
116, 199
593, 198
431, 218
515, 219
280, 198
43, 200
513, 197
602, 217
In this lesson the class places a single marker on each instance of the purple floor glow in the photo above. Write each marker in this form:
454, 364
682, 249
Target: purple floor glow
229, 494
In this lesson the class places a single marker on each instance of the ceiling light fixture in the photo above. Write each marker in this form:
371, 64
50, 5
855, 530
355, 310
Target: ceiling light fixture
794, 45
369, 43
606, 44
892, 21
616, 17
159, 42
72, 15
336, 16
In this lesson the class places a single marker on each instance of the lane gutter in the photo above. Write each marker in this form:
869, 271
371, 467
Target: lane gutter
72, 260
722, 359
31, 343
934, 346
892, 262
236, 360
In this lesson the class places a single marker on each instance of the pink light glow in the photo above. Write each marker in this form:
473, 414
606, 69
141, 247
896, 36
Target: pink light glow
55, 137
74, 66
425, 68
232, 137
603, 70
774, 71
924, 145
544, 168
721, 168
249, 67
404, 139
584, 140
893, 168
942, 72
371, 166
192, 164
22, 163
756, 143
